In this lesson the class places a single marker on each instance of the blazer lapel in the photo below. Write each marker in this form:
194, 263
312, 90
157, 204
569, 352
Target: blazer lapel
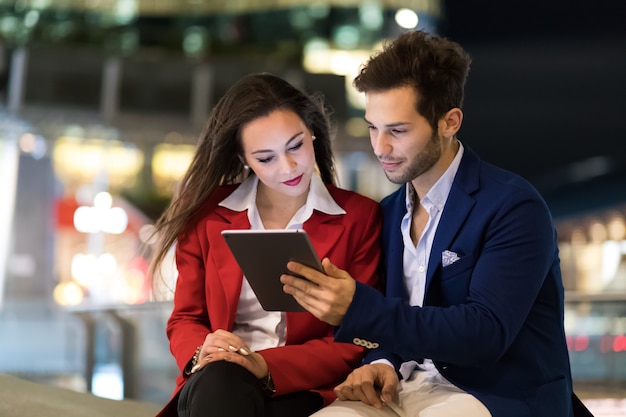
394, 210
324, 231
226, 266
456, 210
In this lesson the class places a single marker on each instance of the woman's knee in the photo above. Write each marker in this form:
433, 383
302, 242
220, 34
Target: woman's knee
220, 388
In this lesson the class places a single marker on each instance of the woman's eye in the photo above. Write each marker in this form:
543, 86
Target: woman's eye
297, 146
265, 160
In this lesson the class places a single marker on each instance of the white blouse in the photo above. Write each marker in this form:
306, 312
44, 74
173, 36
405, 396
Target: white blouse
260, 329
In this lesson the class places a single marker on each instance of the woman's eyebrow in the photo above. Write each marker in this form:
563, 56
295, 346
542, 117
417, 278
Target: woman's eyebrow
291, 139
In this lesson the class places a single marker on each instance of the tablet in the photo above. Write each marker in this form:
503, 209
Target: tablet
263, 255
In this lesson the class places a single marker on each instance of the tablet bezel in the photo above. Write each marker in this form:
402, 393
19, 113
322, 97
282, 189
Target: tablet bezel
262, 256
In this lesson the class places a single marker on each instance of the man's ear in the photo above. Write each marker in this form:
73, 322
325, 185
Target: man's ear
451, 122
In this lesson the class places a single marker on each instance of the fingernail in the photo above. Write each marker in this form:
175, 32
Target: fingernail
221, 349
195, 368
244, 351
232, 348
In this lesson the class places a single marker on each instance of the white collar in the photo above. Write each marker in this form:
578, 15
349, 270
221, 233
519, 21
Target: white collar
319, 198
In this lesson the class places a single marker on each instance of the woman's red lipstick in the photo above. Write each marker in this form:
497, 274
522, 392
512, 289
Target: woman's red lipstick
294, 181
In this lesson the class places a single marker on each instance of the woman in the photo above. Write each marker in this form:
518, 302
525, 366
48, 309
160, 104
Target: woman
264, 161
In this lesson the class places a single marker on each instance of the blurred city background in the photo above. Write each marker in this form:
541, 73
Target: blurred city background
101, 103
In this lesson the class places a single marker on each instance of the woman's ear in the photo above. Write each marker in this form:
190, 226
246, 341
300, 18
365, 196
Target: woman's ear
450, 123
243, 161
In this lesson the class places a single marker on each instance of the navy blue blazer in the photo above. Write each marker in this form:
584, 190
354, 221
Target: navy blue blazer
492, 321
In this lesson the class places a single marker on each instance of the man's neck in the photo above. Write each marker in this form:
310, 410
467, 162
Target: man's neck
422, 184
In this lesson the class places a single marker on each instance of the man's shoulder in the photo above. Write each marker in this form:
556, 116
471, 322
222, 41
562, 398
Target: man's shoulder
499, 178
394, 198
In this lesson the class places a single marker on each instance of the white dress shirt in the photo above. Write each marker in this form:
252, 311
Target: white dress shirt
415, 257
260, 329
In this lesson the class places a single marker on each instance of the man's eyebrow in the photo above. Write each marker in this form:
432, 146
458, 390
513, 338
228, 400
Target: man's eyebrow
396, 124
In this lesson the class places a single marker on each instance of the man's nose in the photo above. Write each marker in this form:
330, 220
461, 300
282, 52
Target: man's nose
380, 144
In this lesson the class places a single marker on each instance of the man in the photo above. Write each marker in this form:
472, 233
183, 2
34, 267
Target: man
472, 321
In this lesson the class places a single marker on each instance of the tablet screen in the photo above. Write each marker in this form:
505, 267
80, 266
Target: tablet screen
262, 256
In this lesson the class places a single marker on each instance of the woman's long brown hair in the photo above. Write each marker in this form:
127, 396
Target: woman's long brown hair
217, 157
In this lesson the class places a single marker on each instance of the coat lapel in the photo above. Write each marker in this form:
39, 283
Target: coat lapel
457, 208
227, 268
324, 231
394, 208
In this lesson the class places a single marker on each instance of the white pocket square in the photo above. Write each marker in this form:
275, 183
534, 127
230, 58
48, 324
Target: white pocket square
448, 258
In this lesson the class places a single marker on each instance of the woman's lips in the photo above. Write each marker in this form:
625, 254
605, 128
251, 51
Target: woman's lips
294, 181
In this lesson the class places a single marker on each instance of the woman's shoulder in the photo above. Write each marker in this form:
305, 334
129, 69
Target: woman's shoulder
218, 194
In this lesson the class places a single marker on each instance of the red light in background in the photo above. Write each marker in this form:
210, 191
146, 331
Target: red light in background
619, 343
581, 342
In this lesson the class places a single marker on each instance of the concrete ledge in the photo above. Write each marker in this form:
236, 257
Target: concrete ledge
21, 398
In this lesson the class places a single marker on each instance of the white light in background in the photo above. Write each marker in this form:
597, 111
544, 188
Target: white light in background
346, 37
40, 4
68, 294
371, 16
341, 63
107, 382
319, 58
125, 11
613, 249
101, 217
8, 182
103, 201
195, 40
86, 220
106, 264
617, 228
406, 18
31, 18
611, 258
83, 268
87, 267
34, 145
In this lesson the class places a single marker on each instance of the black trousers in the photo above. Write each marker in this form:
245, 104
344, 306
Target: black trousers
224, 389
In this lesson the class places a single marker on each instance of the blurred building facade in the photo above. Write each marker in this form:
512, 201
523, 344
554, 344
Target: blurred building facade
101, 108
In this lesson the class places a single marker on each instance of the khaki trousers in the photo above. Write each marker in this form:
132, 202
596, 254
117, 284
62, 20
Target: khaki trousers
421, 396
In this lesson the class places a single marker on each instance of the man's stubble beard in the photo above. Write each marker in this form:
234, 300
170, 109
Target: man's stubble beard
424, 161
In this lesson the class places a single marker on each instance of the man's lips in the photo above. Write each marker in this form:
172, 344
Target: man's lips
389, 165
294, 181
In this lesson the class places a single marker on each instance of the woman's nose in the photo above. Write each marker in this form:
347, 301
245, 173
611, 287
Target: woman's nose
287, 164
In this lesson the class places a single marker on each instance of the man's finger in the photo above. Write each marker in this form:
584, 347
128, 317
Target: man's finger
307, 272
389, 389
371, 397
345, 392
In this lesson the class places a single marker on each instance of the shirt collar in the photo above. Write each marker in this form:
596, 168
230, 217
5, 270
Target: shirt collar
319, 198
438, 193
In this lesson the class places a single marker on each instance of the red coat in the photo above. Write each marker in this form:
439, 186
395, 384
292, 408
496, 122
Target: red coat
209, 284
